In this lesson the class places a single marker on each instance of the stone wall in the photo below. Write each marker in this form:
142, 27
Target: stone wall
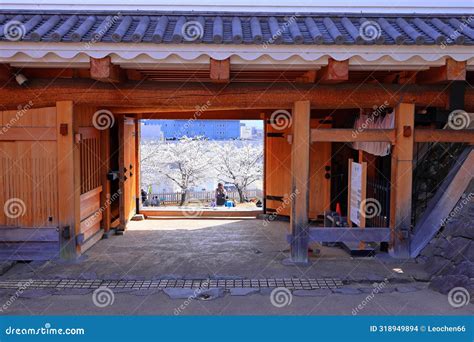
449, 258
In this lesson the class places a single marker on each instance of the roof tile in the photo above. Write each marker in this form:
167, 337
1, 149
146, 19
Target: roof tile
237, 28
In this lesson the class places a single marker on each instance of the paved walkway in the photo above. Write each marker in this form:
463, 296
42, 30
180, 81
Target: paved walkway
218, 249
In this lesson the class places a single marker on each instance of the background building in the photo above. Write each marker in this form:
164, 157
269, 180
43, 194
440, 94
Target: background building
175, 129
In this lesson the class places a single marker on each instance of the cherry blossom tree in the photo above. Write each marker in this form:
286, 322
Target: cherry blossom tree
185, 162
240, 165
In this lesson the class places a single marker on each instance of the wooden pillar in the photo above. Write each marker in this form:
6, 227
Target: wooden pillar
69, 187
138, 193
105, 199
401, 180
300, 153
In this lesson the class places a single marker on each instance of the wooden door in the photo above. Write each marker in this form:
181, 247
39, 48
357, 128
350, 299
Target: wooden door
320, 174
277, 170
278, 173
127, 170
29, 213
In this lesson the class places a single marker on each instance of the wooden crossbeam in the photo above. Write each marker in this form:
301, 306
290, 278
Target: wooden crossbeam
337, 234
308, 77
29, 234
352, 135
451, 71
102, 69
219, 71
334, 72
223, 97
445, 135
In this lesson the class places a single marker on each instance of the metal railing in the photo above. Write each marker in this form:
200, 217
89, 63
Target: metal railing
170, 198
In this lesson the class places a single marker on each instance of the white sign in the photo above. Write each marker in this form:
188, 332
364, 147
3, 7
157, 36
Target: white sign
356, 192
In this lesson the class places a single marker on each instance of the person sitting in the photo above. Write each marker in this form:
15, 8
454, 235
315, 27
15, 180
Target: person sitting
220, 194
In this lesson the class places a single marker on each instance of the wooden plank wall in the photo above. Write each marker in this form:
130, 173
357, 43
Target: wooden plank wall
91, 180
28, 182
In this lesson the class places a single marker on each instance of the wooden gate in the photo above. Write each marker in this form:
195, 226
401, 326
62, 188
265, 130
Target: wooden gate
128, 171
28, 184
278, 171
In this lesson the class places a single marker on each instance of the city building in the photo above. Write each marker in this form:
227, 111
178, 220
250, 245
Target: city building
210, 129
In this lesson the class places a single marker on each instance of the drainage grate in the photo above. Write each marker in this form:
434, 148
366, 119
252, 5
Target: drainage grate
290, 283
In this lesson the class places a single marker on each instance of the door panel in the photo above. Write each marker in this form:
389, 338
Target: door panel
127, 170
278, 172
320, 173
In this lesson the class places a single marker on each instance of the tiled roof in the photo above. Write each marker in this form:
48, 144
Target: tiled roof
236, 28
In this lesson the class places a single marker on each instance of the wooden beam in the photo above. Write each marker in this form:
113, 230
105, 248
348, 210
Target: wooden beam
164, 213
401, 180
203, 112
334, 72
451, 71
134, 75
69, 187
352, 135
137, 172
233, 96
6, 74
308, 77
103, 70
37, 234
56, 73
407, 77
105, 196
445, 135
337, 234
27, 133
300, 156
219, 71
